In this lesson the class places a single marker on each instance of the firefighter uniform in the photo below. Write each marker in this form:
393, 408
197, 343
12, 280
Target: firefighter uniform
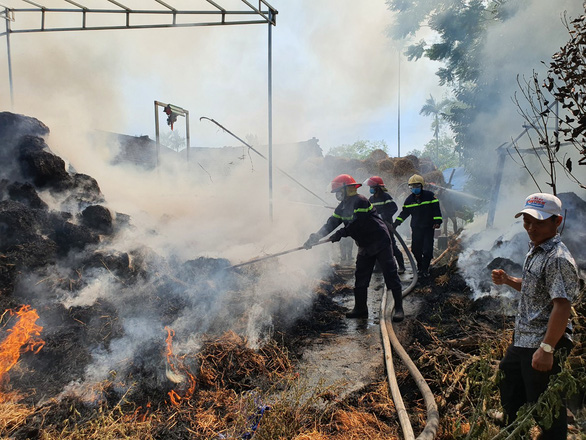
367, 228
425, 212
386, 208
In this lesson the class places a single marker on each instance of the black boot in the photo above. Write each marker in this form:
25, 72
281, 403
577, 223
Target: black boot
360, 308
400, 263
398, 314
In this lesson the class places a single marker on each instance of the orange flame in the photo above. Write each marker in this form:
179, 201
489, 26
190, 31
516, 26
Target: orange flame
181, 370
20, 338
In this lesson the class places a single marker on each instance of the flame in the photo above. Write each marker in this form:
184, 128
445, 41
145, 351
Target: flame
20, 338
177, 372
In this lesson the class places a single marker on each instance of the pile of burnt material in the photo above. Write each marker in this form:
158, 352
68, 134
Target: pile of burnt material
508, 251
33, 235
101, 308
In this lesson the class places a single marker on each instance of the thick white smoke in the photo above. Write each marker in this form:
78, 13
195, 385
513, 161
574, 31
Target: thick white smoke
515, 48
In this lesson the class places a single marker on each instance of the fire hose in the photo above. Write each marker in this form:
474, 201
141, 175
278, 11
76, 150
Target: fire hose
278, 254
390, 339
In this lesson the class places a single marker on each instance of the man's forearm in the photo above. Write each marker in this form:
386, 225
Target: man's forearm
558, 321
513, 282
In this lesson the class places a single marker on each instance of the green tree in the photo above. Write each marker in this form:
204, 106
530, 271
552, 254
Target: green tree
359, 149
441, 151
438, 110
459, 30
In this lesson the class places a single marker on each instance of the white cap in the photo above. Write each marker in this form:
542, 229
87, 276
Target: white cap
541, 206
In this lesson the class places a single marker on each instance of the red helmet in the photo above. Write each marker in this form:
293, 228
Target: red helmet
342, 181
374, 181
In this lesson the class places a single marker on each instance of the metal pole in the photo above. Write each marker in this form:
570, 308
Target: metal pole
187, 141
158, 140
399, 108
9, 58
270, 97
502, 152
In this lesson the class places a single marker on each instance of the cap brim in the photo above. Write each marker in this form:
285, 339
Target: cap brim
539, 215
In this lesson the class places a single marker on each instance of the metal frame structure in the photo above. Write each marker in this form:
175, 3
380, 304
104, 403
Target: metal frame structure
216, 14
179, 112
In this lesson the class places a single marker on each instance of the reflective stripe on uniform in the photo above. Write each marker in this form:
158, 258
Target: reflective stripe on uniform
381, 203
342, 218
421, 204
363, 209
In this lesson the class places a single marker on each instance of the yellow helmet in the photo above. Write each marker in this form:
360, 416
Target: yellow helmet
416, 178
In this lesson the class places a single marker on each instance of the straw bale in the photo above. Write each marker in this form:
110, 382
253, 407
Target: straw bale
377, 155
414, 159
436, 177
387, 165
426, 165
404, 168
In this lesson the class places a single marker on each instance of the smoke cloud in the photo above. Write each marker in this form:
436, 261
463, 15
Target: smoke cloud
335, 78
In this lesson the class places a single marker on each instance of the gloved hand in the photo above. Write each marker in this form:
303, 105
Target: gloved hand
313, 239
436, 226
336, 236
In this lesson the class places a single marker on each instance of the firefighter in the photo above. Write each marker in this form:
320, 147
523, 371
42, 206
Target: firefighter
386, 208
365, 226
426, 216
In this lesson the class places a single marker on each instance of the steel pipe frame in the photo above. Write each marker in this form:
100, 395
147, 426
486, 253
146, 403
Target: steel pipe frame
269, 16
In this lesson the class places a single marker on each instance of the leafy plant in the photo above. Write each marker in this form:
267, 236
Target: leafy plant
359, 149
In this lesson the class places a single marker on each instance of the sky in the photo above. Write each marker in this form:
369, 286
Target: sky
335, 77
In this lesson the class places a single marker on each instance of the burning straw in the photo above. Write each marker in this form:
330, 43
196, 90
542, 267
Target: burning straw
20, 339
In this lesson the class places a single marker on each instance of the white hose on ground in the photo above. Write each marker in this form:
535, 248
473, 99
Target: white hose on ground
390, 339
393, 385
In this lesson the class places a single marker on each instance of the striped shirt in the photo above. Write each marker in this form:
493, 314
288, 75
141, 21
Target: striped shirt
549, 272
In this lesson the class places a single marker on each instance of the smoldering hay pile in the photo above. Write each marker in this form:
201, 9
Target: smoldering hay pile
106, 313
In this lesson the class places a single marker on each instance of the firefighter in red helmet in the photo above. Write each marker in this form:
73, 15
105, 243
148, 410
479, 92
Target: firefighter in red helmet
366, 227
386, 208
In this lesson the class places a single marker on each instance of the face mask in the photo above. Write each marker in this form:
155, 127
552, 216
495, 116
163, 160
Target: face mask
372, 189
340, 195
416, 190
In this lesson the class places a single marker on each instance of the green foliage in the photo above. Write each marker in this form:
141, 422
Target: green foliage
458, 32
359, 149
562, 386
442, 148
441, 152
